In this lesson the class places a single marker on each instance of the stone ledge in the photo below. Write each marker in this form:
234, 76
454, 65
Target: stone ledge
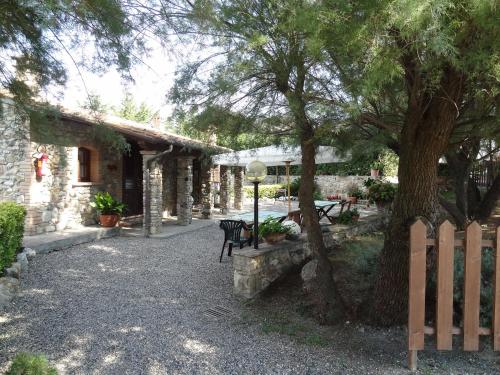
46, 243
255, 269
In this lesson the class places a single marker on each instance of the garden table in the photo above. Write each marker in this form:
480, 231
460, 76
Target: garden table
324, 207
247, 217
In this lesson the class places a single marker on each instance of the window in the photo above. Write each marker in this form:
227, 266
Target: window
83, 164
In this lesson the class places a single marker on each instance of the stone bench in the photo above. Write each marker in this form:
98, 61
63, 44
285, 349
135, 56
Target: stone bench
254, 270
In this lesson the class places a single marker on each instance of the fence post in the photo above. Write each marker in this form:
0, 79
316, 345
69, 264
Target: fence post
472, 286
444, 301
496, 295
416, 300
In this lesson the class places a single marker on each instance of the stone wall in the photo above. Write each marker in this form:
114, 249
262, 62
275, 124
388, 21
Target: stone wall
170, 186
15, 168
57, 200
184, 190
153, 196
255, 270
327, 184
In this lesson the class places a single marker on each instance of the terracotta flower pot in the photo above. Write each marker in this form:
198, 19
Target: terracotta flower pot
374, 173
108, 221
274, 238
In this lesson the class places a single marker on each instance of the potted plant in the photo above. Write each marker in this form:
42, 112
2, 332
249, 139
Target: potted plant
375, 168
382, 193
109, 209
273, 231
354, 193
348, 217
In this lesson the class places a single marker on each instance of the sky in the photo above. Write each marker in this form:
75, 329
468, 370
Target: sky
152, 81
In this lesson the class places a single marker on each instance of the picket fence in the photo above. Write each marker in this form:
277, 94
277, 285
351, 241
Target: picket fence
445, 244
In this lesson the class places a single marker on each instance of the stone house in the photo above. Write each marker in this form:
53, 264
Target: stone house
162, 174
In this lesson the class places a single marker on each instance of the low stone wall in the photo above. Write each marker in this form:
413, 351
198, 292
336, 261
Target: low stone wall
255, 270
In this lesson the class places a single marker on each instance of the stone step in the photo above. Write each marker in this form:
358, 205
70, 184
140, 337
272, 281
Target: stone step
45, 243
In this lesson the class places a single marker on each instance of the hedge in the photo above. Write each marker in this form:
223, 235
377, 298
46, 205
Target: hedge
11, 232
265, 191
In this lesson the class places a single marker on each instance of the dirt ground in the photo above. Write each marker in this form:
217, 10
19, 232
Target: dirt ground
282, 311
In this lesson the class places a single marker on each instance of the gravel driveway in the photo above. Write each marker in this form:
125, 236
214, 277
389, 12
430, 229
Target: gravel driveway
139, 306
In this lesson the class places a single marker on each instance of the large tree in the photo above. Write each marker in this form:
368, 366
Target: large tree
438, 55
268, 66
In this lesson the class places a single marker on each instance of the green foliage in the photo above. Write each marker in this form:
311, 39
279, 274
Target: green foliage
11, 232
30, 364
265, 191
270, 226
130, 110
486, 296
377, 165
389, 162
348, 217
34, 33
353, 190
295, 186
382, 192
229, 129
105, 204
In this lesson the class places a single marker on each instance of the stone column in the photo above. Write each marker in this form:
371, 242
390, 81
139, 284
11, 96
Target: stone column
206, 192
152, 193
170, 186
238, 188
184, 190
224, 189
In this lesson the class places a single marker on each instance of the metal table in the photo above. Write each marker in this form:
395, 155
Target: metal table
247, 217
324, 207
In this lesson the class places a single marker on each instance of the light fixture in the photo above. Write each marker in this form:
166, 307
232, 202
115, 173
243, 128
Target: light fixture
256, 172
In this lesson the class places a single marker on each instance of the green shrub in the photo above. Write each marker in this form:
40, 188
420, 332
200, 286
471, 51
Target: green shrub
347, 217
105, 204
295, 186
265, 191
30, 364
270, 225
11, 231
382, 192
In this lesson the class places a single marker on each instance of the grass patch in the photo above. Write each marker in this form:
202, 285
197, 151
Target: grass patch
25, 363
298, 332
355, 267
315, 340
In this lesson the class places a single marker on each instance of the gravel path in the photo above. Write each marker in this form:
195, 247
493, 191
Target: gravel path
138, 306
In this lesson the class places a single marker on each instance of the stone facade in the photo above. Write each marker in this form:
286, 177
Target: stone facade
56, 200
15, 168
224, 189
238, 187
170, 186
184, 190
153, 197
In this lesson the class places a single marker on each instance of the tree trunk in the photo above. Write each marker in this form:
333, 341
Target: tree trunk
459, 167
324, 294
322, 289
429, 122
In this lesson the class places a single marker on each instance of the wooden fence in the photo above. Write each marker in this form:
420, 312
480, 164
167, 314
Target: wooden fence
484, 172
444, 330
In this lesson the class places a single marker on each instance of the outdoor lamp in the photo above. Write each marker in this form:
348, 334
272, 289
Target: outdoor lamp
256, 171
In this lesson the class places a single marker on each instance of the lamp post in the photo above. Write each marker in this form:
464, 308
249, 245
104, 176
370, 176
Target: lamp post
256, 171
287, 163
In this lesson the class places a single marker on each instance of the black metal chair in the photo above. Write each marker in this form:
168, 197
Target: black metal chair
232, 235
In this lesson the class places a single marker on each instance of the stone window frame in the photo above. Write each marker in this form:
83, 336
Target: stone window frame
84, 164
94, 166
